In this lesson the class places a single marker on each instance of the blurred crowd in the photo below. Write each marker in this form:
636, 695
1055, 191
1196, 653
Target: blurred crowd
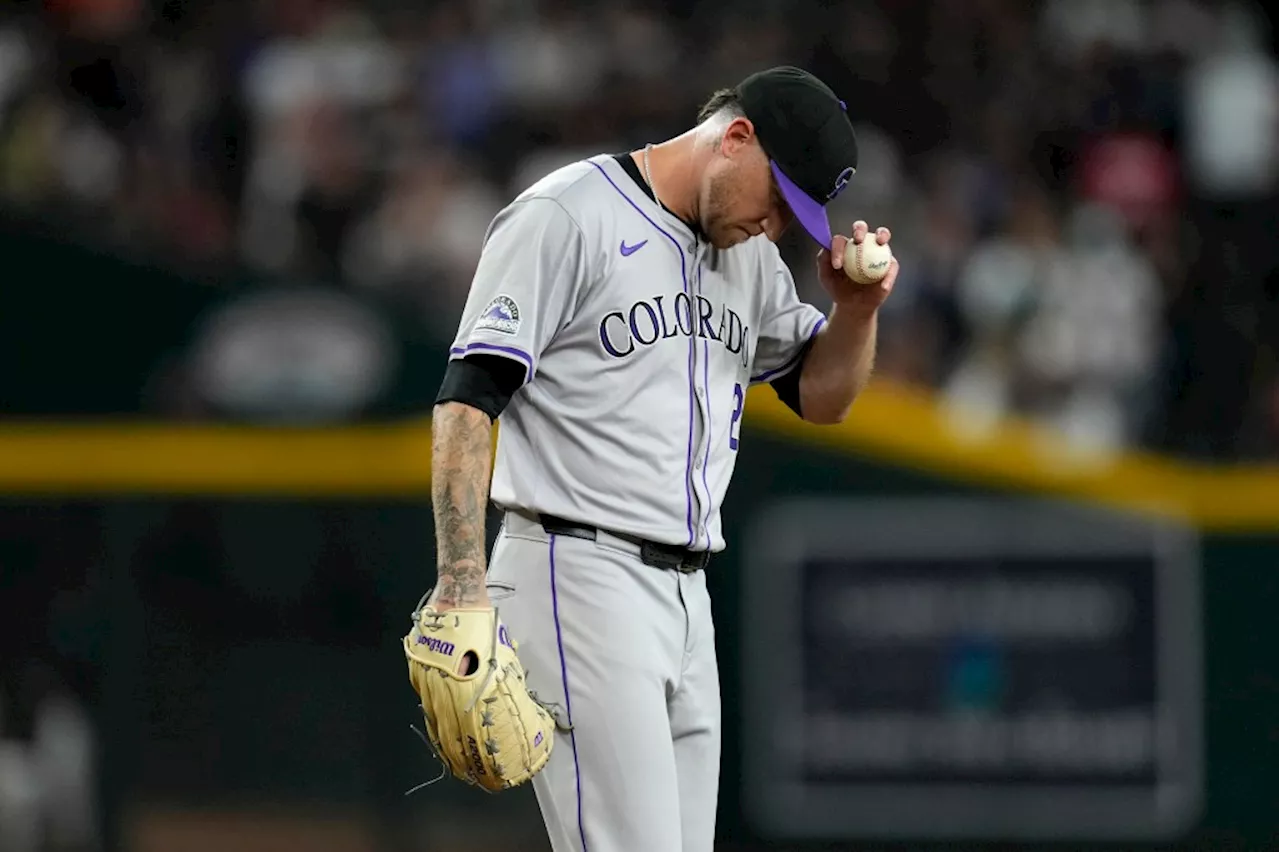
1082, 192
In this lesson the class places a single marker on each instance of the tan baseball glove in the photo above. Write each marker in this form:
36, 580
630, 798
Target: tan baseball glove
487, 727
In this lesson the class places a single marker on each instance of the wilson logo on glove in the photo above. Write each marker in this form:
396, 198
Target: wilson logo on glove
486, 726
437, 645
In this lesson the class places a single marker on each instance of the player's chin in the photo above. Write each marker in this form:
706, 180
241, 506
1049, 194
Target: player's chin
728, 238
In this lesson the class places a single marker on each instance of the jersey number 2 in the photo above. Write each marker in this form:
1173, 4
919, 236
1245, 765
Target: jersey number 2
738, 399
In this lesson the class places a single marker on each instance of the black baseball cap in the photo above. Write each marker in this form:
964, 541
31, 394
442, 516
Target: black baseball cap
805, 131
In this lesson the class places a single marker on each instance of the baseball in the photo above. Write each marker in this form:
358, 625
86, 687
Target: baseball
867, 262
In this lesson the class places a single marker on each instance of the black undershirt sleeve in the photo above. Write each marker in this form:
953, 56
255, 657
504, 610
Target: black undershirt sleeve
787, 387
484, 382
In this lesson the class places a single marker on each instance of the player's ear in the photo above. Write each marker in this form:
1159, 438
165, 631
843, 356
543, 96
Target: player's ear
738, 135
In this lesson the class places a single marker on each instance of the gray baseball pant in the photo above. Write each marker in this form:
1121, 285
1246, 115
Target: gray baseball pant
627, 652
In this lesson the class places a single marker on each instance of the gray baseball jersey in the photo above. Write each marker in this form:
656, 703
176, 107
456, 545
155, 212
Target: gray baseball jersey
639, 342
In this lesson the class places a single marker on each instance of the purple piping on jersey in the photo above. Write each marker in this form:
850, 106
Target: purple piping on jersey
790, 362
688, 462
564, 678
519, 354
706, 453
684, 277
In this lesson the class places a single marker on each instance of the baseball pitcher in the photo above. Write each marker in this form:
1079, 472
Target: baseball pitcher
621, 308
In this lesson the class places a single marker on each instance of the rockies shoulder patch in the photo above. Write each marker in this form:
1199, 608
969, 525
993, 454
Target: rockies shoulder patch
502, 314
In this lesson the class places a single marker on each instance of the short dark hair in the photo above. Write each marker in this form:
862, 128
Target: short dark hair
721, 99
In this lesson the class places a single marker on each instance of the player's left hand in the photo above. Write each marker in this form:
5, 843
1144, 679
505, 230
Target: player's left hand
842, 289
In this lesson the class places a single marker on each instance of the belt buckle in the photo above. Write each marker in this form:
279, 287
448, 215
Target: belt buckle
652, 553
684, 561
694, 561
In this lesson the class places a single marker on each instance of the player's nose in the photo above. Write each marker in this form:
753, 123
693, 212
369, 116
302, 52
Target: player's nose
775, 225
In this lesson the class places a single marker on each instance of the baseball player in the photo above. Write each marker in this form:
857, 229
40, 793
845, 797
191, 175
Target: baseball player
621, 308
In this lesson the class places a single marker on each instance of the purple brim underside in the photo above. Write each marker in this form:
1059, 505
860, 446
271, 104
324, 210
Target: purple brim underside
811, 215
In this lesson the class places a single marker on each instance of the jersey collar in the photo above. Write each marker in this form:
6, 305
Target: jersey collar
628, 164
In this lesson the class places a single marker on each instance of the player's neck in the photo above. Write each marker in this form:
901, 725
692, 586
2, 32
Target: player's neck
674, 172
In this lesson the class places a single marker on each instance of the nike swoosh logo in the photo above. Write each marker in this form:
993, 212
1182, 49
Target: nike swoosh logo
627, 250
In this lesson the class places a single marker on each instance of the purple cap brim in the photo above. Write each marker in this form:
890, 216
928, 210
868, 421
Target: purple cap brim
811, 215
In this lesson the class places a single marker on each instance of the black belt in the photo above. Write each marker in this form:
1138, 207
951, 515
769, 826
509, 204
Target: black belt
651, 552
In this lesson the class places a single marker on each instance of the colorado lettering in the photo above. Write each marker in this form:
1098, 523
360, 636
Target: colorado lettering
658, 318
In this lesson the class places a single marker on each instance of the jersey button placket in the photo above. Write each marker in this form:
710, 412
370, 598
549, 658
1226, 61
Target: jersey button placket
701, 486
700, 426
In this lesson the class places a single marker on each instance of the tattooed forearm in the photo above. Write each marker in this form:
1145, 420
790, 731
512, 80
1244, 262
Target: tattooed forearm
460, 466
